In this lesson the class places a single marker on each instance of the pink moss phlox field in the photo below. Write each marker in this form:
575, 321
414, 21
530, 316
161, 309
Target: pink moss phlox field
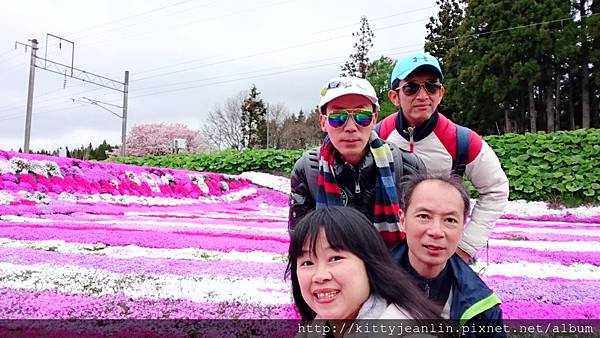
68, 225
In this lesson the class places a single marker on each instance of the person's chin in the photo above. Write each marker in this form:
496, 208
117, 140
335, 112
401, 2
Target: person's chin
421, 115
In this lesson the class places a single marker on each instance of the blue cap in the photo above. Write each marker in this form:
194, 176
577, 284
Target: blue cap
407, 63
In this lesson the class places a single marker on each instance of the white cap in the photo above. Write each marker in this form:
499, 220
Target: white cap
339, 86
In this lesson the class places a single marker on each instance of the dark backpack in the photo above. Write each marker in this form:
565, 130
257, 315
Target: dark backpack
311, 170
459, 164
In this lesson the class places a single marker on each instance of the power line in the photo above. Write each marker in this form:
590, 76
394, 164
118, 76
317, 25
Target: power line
438, 40
287, 70
148, 20
129, 17
187, 24
271, 73
310, 34
345, 36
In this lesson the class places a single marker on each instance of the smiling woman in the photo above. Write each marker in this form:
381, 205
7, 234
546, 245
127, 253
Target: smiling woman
341, 270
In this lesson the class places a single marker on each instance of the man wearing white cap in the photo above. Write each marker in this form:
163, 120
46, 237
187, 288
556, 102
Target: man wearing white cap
353, 167
443, 145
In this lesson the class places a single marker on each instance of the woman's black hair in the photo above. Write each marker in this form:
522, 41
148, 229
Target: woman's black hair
348, 229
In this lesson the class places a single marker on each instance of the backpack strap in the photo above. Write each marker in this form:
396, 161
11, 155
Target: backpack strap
311, 170
459, 164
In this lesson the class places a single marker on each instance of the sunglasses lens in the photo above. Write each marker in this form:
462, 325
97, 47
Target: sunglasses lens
337, 119
432, 87
363, 117
410, 88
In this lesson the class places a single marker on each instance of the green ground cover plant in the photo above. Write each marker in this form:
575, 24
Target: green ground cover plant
562, 167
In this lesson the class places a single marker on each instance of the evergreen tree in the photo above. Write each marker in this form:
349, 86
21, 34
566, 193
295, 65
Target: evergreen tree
359, 60
301, 117
100, 152
88, 152
253, 121
378, 74
503, 67
443, 32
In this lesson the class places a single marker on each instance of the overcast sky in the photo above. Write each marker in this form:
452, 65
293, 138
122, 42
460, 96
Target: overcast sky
184, 58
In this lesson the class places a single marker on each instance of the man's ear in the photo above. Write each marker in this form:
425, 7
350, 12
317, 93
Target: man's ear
393, 96
401, 221
322, 121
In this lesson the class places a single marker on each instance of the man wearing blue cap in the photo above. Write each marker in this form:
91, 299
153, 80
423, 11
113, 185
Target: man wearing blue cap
418, 127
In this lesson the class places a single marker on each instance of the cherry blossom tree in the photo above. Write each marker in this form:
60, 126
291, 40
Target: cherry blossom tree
157, 139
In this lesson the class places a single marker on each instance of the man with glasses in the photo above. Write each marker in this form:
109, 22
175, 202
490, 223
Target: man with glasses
444, 146
353, 167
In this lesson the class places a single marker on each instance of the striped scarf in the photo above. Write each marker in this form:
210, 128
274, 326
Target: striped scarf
386, 209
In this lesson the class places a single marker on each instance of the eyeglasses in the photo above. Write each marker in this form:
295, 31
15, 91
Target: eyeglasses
361, 117
411, 88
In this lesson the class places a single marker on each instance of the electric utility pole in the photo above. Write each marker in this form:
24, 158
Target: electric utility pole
79, 74
34, 49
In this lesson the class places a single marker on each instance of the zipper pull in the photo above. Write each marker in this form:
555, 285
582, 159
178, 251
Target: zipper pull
410, 135
357, 188
427, 289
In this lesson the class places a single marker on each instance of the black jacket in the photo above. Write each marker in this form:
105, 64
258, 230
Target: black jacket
357, 184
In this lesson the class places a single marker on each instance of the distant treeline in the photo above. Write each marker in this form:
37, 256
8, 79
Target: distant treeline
99, 153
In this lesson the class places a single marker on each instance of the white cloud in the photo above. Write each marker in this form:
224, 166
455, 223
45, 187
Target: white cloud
287, 48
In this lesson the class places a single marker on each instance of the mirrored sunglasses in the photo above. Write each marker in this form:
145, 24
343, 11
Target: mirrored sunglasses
361, 117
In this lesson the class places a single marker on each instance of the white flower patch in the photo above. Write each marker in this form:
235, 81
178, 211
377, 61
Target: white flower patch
115, 183
152, 200
524, 208
40, 197
167, 179
198, 180
269, 211
234, 196
76, 280
270, 181
249, 216
544, 223
44, 168
56, 245
65, 196
7, 167
231, 177
133, 177
37, 197
53, 169
133, 251
150, 224
579, 246
21, 165
574, 232
151, 182
23, 219
6, 198
539, 270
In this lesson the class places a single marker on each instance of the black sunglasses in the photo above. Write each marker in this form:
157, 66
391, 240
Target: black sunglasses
410, 88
